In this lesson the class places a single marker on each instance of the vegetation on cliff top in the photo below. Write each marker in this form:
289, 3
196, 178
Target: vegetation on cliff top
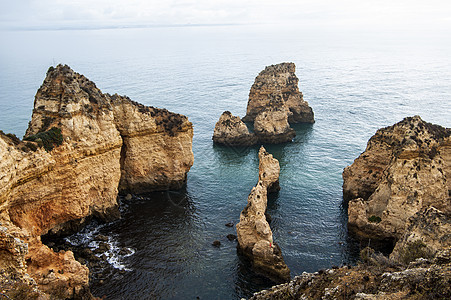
47, 139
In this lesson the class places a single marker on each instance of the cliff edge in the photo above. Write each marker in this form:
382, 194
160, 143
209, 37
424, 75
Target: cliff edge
80, 148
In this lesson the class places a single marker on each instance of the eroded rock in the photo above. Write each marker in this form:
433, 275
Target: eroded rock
278, 82
83, 145
271, 126
231, 131
403, 170
254, 234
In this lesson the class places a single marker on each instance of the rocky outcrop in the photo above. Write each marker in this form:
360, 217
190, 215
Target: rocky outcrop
422, 279
231, 131
80, 146
254, 235
157, 151
274, 102
278, 83
271, 126
403, 170
428, 232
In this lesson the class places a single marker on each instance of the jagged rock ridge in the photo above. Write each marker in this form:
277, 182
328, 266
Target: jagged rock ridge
107, 143
254, 235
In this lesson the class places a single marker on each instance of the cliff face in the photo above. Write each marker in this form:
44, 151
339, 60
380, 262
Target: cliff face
254, 235
278, 83
95, 143
403, 170
157, 146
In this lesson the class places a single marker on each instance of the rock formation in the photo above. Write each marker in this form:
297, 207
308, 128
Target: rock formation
422, 279
80, 147
271, 126
231, 131
428, 232
403, 170
278, 83
254, 235
274, 102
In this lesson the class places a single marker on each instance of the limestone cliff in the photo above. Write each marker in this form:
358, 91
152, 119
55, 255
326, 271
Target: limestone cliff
80, 146
254, 235
231, 131
403, 170
278, 83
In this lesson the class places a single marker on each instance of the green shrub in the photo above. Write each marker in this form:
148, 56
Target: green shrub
374, 219
47, 139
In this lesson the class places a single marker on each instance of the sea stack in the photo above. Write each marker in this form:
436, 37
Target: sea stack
80, 148
255, 240
274, 102
404, 170
278, 83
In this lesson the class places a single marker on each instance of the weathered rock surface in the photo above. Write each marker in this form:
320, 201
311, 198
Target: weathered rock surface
274, 102
428, 232
278, 83
231, 131
403, 170
254, 235
271, 126
420, 280
103, 142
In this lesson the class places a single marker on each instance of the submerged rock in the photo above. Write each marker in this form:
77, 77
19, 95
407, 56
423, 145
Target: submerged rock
231, 131
278, 82
81, 146
254, 235
403, 170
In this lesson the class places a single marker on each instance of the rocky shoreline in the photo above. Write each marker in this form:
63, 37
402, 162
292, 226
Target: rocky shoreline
83, 147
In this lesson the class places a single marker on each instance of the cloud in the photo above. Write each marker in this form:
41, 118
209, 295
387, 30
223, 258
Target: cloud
325, 13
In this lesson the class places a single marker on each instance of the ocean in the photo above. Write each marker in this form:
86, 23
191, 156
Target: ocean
355, 83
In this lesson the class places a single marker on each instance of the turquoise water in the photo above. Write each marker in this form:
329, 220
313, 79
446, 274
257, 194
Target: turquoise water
355, 84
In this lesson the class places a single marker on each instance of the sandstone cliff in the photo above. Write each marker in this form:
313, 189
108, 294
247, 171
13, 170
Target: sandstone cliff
231, 131
80, 146
403, 170
254, 235
278, 83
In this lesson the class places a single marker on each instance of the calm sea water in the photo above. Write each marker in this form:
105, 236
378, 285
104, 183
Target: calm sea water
356, 83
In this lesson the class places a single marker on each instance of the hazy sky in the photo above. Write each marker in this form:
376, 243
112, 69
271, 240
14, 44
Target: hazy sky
371, 14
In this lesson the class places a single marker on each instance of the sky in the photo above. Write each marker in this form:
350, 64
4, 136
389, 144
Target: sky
347, 14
